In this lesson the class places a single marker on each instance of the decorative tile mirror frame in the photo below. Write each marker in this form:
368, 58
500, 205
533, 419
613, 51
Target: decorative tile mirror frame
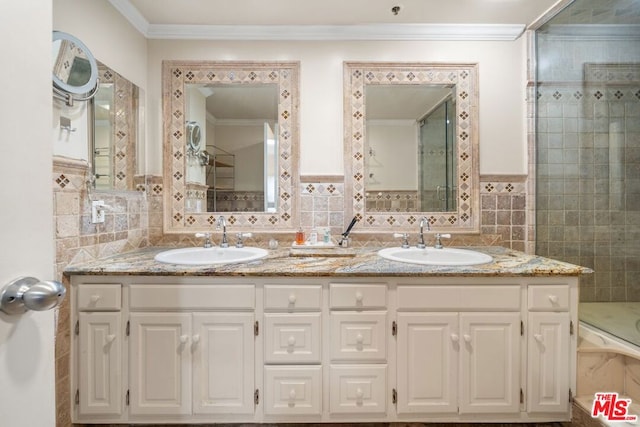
465, 77
176, 74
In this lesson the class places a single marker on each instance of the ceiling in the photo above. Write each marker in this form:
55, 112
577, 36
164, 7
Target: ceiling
334, 19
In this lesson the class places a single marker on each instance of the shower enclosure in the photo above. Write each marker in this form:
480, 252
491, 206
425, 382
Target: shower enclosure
588, 155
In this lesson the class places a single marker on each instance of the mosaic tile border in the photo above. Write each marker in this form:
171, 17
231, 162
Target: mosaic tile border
465, 77
176, 74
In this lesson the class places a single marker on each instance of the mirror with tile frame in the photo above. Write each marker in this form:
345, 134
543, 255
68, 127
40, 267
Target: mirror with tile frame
463, 79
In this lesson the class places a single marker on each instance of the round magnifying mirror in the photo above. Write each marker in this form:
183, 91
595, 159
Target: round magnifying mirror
193, 136
75, 70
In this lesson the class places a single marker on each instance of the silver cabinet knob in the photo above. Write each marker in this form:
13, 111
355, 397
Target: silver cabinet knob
29, 293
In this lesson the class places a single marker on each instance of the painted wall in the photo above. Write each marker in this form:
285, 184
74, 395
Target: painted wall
501, 75
393, 161
26, 341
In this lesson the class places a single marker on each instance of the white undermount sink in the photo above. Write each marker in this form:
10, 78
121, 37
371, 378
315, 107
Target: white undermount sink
210, 256
433, 256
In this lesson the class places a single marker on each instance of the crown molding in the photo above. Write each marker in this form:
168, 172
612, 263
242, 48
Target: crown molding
131, 13
379, 32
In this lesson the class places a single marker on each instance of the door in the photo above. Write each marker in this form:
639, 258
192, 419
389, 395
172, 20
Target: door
428, 347
26, 222
223, 368
490, 363
160, 364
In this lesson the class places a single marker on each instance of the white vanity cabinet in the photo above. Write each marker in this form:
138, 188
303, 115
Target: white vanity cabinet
181, 349
293, 350
550, 353
99, 335
459, 349
358, 348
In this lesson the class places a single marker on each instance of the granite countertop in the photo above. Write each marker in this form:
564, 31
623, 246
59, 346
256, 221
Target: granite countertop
352, 262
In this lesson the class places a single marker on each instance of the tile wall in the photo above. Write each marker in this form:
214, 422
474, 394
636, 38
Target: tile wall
134, 220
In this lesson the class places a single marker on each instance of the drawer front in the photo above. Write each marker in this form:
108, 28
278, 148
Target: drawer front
291, 298
358, 389
292, 338
293, 390
548, 297
355, 296
359, 336
99, 297
192, 297
454, 298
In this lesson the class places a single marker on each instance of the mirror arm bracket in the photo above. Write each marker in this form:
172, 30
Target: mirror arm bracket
69, 98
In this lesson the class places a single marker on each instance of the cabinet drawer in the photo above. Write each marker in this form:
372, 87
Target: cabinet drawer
293, 390
454, 298
358, 389
548, 297
191, 297
283, 297
356, 296
359, 336
99, 297
292, 338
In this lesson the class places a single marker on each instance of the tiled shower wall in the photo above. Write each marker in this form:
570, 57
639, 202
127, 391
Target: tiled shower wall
134, 220
588, 184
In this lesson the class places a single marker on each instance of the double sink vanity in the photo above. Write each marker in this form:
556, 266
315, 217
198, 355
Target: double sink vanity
344, 335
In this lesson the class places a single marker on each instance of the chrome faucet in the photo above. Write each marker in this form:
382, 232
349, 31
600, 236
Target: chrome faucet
207, 239
222, 223
424, 221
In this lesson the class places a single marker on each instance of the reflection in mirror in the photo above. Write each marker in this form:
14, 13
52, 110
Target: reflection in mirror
239, 160
247, 163
411, 143
115, 141
75, 71
409, 129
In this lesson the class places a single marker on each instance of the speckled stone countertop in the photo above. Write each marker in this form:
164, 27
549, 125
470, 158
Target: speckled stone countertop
354, 262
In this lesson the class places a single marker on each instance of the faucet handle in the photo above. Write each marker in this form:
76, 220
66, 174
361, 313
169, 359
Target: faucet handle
440, 236
404, 237
239, 237
207, 239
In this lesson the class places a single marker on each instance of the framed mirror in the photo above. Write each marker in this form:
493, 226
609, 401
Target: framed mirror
411, 145
116, 116
75, 70
246, 163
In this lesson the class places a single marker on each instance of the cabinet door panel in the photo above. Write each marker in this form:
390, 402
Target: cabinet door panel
427, 362
100, 345
548, 376
490, 362
293, 390
223, 369
160, 363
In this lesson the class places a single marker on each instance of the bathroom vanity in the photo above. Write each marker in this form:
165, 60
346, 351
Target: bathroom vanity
323, 339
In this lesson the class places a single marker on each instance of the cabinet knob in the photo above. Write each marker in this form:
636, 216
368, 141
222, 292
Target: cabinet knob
359, 296
538, 337
292, 299
184, 339
95, 298
111, 338
467, 338
196, 338
292, 394
359, 339
455, 337
553, 299
291, 341
359, 394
